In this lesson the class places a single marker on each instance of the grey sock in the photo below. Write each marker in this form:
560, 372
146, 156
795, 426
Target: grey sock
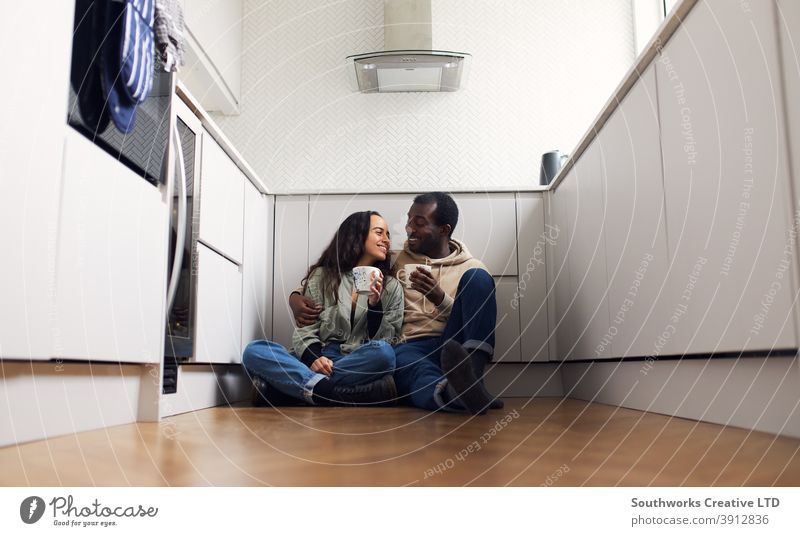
461, 376
479, 360
450, 398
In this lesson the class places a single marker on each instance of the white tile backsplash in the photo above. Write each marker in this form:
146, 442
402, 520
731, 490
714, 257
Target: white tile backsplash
541, 71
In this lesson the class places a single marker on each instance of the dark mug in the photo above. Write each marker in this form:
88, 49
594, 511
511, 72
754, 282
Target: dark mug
551, 165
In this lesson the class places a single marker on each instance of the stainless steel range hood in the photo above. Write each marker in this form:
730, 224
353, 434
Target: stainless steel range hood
408, 61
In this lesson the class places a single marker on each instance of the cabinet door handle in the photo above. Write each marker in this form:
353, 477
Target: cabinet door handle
180, 239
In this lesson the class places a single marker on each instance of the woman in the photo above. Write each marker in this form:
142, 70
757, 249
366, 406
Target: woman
345, 356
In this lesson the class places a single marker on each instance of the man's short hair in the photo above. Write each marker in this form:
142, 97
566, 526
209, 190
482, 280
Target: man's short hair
446, 212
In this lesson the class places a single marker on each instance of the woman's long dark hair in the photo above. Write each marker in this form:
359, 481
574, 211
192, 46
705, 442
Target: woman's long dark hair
344, 251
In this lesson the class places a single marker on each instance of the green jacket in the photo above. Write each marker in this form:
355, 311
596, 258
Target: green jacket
333, 324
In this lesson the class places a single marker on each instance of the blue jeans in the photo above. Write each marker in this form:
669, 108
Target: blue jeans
418, 374
286, 373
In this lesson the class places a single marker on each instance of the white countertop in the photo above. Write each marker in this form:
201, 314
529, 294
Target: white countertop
221, 138
465, 190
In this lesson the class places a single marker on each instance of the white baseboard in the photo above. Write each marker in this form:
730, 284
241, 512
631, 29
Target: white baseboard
755, 393
206, 386
524, 379
47, 399
200, 386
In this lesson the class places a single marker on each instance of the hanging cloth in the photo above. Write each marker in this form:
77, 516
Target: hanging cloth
86, 74
168, 27
128, 59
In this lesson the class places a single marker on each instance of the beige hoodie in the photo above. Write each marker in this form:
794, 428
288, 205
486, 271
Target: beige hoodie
422, 318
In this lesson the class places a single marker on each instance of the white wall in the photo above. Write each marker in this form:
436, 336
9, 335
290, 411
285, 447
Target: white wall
540, 73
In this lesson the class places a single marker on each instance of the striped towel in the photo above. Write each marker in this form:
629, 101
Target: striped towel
136, 70
127, 58
168, 27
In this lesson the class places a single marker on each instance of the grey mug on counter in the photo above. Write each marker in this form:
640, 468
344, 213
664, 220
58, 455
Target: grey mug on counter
551, 165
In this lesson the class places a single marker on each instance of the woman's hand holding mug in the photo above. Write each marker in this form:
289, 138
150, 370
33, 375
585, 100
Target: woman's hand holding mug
375, 288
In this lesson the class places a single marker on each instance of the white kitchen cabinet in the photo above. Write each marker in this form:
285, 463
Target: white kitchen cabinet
637, 260
726, 181
558, 279
487, 226
587, 316
221, 201
789, 33
327, 212
257, 266
533, 238
493, 243
219, 309
291, 260
31, 149
111, 271
213, 69
568, 328
507, 334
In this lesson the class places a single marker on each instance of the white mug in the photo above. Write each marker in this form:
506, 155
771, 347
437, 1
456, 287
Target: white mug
364, 276
404, 274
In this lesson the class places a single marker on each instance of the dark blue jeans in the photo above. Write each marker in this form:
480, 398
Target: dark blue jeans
286, 373
419, 375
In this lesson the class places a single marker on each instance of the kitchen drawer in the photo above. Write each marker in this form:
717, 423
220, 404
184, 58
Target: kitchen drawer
219, 309
221, 201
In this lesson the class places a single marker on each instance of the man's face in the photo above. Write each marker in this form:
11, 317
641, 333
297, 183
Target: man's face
424, 235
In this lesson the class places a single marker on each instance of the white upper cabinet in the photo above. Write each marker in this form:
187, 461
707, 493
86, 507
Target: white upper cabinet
35, 60
530, 297
635, 230
726, 181
112, 260
213, 70
221, 201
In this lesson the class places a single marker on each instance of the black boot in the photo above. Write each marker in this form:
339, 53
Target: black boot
380, 392
479, 360
265, 396
259, 393
460, 375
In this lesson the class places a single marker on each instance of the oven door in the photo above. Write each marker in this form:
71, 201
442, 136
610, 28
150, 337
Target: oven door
181, 315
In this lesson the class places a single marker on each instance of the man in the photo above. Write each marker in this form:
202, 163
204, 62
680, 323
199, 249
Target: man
450, 314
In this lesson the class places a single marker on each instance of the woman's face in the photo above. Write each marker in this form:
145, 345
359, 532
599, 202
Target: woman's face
376, 247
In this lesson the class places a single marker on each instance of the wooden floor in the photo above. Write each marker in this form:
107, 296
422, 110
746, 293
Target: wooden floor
542, 441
